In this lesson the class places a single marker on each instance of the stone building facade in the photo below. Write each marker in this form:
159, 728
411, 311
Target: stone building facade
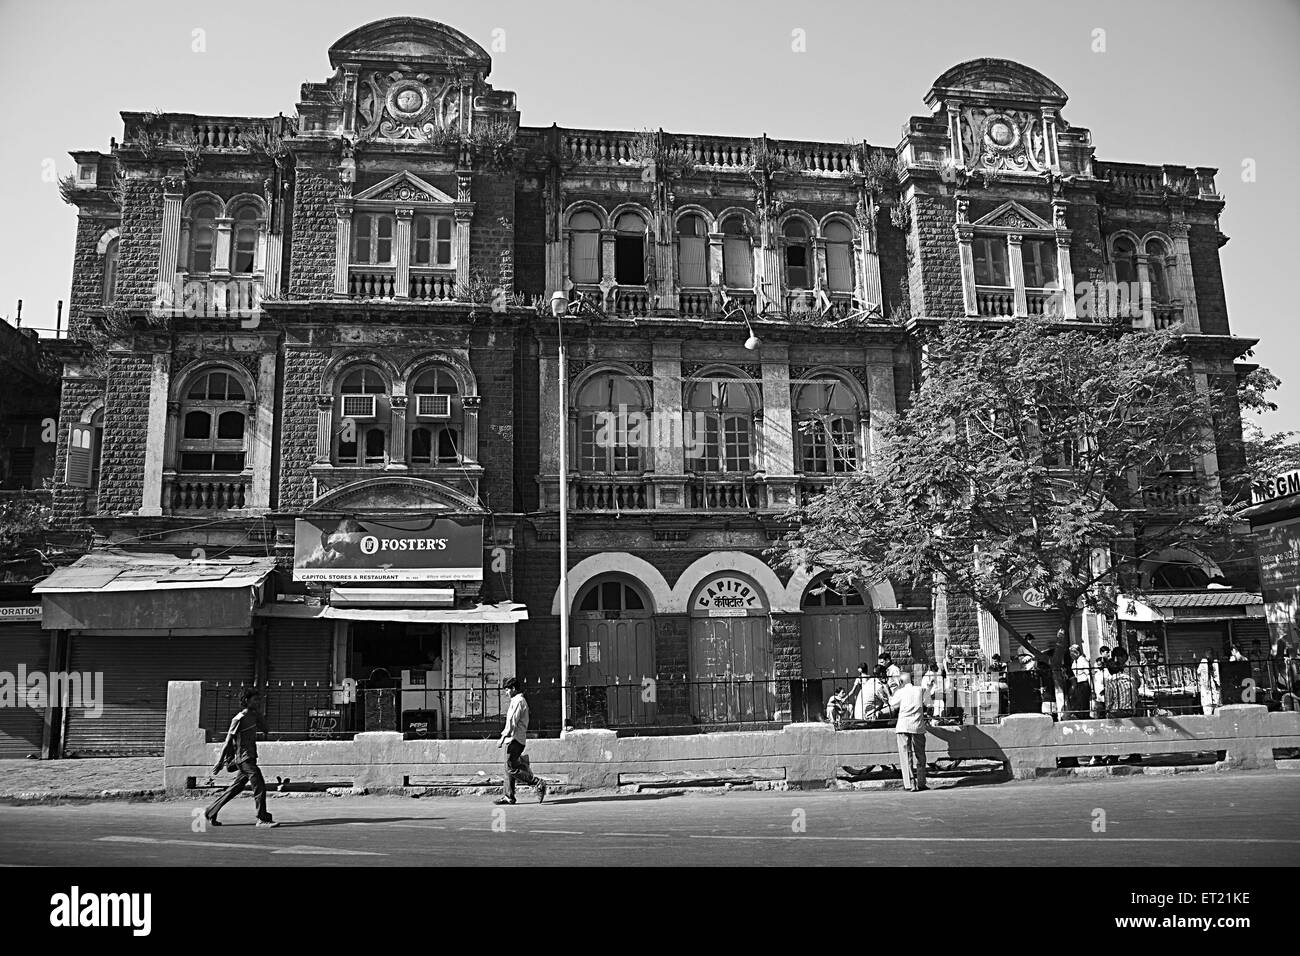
342, 319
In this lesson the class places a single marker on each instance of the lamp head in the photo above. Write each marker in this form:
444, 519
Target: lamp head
753, 342
559, 304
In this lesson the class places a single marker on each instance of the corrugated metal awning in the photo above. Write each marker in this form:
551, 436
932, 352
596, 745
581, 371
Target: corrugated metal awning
1165, 606
125, 592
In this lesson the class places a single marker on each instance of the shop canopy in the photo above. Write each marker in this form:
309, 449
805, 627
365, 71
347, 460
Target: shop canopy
506, 612
123, 592
1207, 605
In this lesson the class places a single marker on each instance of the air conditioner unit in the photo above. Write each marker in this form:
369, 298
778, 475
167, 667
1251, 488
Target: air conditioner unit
433, 406
358, 406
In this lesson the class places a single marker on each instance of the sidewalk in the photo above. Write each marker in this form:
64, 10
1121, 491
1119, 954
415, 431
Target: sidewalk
140, 778
95, 778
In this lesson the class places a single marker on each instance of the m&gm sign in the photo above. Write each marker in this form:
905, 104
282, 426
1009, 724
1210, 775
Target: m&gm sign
388, 549
1279, 486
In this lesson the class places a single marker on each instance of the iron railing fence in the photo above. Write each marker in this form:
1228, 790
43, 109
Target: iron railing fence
659, 703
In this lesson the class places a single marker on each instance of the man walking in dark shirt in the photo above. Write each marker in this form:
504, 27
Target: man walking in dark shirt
240, 751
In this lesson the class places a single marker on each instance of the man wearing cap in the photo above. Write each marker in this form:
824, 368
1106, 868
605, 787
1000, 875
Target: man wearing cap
516, 732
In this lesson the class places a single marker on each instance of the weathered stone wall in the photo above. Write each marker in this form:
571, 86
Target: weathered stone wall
315, 234
303, 370
126, 427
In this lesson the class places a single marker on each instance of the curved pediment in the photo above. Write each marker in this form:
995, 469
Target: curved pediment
993, 76
411, 40
396, 493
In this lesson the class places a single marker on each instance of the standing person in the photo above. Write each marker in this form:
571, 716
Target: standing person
869, 695
932, 685
892, 671
910, 729
516, 731
1121, 697
1081, 690
240, 751
1207, 682
1236, 654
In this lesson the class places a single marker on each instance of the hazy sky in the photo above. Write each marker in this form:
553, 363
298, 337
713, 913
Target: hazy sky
1180, 81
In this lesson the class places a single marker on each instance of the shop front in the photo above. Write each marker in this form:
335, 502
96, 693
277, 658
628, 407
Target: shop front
24, 652
132, 622
1030, 614
733, 675
412, 648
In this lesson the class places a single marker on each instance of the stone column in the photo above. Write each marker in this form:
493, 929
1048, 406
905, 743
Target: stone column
263, 420
717, 277
397, 433
156, 437
324, 428
606, 256
778, 425
1065, 272
787, 658
274, 244
464, 215
667, 426
880, 398
1178, 231
221, 250
1017, 274
402, 254
469, 441
170, 245
1144, 284
548, 385
170, 455
966, 253
956, 150
342, 247
820, 279
869, 292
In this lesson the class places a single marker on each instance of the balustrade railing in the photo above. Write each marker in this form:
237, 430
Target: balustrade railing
432, 286
189, 493
610, 494
695, 304
631, 300
1165, 316
995, 301
371, 282
708, 494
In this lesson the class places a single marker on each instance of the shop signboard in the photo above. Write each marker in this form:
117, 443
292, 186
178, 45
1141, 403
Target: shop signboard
1285, 485
388, 549
1278, 548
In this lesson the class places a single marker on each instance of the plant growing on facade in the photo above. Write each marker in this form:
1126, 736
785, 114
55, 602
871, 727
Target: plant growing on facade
68, 188
1028, 458
191, 151
261, 141
23, 518
494, 143
900, 216
879, 169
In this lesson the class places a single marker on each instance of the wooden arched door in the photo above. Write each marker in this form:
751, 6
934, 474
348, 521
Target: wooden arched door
613, 625
733, 676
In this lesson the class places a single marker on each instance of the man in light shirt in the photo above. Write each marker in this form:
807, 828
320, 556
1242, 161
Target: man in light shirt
516, 732
910, 702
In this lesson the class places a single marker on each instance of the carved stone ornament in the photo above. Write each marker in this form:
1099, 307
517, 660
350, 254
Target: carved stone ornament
1009, 140
407, 107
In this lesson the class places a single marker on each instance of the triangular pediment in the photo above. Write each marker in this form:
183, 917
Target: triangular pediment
397, 493
1012, 215
403, 187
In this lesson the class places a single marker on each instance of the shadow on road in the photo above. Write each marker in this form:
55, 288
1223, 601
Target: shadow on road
616, 797
341, 821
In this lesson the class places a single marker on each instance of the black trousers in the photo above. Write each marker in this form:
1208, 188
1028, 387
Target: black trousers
248, 771
515, 769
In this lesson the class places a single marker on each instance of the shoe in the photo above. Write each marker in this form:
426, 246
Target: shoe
213, 821
266, 824
541, 791
922, 788
504, 801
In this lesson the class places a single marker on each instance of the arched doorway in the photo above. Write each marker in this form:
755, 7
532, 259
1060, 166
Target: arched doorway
838, 632
732, 668
613, 625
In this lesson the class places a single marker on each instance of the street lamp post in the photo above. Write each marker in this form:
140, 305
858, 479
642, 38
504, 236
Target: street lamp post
560, 304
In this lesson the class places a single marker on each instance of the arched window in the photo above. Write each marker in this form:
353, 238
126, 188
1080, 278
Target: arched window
85, 441
372, 239
692, 252
431, 241
584, 248
827, 417
203, 238
364, 414
629, 249
437, 417
243, 240
1157, 257
1125, 258
611, 596
737, 254
1179, 577
822, 593
798, 255
109, 288
839, 256
213, 424
719, 425
611, 424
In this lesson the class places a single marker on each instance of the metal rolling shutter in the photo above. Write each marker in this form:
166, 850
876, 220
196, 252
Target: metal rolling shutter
21, 727
1188, 643
136, 671
300, 651
1042, 624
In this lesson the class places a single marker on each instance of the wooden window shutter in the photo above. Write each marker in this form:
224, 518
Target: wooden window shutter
80, 440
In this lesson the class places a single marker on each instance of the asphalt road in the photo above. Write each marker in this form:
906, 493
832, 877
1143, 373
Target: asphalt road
1202, 820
